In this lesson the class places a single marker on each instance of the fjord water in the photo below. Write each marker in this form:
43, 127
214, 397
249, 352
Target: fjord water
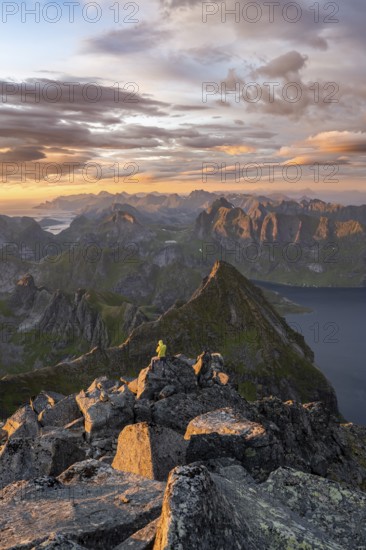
336, 331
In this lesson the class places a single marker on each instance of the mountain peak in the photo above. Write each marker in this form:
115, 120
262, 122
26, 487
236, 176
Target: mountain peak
222, 202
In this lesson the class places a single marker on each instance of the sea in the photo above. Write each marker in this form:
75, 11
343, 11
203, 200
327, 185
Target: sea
57, 220
336, 331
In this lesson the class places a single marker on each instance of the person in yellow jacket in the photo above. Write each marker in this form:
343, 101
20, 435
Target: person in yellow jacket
161, 351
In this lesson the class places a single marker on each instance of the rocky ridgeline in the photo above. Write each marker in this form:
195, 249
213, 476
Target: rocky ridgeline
176, 459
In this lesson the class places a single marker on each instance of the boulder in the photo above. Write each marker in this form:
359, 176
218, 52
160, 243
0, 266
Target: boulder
106, 413
209, 369
203, 365
101, 384
62, 413
224, 422
149, 450
226, 433
49, 454
196, 515
310, 439
152, 380
23, 423
44, 400
178, 410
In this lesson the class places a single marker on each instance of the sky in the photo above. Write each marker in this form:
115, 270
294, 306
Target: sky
176, 95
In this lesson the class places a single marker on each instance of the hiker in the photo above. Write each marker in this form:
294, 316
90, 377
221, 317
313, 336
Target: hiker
161, 357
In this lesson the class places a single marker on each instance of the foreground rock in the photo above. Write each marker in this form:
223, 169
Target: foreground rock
224, 508
91, 505
149, 450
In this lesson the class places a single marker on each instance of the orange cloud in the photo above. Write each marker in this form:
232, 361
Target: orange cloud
235, 149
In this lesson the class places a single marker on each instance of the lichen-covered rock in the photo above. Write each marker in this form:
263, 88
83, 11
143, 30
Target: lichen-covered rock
62, 413
149, 450
196, 515
224, 509
224, 422
339, 512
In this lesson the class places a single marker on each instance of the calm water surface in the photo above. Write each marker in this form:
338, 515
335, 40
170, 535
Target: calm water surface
336, 331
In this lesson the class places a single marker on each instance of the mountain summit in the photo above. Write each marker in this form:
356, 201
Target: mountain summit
229, 313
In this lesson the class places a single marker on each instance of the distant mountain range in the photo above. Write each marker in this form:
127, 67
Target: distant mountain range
143, 244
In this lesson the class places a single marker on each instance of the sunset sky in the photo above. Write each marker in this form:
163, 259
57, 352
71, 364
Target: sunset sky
77, 133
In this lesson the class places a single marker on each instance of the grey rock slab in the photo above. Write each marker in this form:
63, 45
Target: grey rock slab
49, 454
94, 506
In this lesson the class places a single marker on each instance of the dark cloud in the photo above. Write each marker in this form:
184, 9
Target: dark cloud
137, 39
285, 66
22, 154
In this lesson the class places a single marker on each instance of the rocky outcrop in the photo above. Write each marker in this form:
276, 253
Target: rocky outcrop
175, 374
71, 319
178, 410
24, 294
283, 434
256, 475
